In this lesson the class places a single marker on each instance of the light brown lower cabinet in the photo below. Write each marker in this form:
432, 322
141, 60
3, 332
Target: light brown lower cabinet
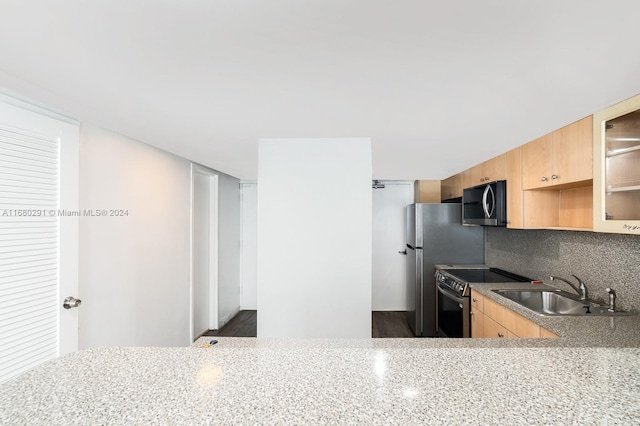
477, 323
491, 319
493, 329
477, 317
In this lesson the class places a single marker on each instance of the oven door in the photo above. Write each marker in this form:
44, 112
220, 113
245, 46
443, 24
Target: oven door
453, 314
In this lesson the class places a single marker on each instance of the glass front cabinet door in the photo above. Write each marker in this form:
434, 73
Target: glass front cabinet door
616, 174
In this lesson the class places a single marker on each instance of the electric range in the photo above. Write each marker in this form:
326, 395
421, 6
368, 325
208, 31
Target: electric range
454, 306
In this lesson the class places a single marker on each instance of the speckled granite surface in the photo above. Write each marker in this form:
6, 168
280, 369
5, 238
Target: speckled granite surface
579, 331
600, 259
591, 375
254, 381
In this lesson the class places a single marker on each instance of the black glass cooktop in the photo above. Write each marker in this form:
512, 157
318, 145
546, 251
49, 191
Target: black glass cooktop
491, 275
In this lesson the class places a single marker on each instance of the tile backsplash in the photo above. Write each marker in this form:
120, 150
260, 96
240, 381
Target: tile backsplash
600, 260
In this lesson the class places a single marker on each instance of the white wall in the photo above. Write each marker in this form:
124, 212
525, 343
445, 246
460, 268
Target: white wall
134, 270
389, 287
314, 238
389, 229
249, 237
229, 248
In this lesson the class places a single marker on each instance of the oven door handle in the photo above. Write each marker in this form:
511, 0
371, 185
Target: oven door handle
450, 294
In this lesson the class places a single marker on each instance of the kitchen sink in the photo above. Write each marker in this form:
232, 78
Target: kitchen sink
556, 303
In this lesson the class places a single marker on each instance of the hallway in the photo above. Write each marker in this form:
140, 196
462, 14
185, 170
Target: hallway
384, 324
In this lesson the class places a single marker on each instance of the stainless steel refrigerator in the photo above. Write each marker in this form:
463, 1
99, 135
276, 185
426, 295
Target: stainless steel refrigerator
435, 235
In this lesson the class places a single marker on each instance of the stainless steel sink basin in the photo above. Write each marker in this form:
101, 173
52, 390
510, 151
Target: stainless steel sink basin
546, 302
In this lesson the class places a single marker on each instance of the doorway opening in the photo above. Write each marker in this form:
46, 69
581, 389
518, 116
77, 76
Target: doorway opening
204, 251
388, 288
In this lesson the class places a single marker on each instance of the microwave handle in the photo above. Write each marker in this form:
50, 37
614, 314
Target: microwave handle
485, 205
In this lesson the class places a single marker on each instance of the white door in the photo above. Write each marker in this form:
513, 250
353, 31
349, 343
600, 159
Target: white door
248, 239
38, 237
204, 231
389, 229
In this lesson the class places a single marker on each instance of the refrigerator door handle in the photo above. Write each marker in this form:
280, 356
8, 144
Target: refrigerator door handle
403, 252
420, 296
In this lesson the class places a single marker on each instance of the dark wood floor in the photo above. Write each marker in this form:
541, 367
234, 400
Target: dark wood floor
244, 324
390, 324
384, 324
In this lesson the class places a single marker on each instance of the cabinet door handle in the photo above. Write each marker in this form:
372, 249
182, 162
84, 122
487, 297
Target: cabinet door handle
471, 313
474, 300
543, 178
500, 334
554, 176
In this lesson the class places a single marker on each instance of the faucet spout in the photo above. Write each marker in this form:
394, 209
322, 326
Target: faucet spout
581, 289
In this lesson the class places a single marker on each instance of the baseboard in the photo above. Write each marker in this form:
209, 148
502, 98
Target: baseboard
226, 319
200, 335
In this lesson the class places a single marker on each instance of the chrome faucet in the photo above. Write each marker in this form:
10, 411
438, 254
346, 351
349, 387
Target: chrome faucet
612, 299
581, 290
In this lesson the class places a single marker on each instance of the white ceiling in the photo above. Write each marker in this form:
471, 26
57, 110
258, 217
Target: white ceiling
438, 85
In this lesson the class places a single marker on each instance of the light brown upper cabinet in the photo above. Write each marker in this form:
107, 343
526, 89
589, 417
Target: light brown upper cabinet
489, 171
514, 188
561, 158
426, 191
451, 187
616, 175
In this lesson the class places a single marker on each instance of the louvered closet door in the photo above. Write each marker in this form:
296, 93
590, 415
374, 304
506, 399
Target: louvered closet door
30, 247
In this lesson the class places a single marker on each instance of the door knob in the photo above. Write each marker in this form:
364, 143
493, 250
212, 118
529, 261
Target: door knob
71, 302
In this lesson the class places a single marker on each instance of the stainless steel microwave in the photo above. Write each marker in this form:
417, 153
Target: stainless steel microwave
485, 204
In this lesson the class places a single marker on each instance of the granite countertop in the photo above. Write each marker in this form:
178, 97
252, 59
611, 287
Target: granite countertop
336, 381
460, 266
574, 331
590, 375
